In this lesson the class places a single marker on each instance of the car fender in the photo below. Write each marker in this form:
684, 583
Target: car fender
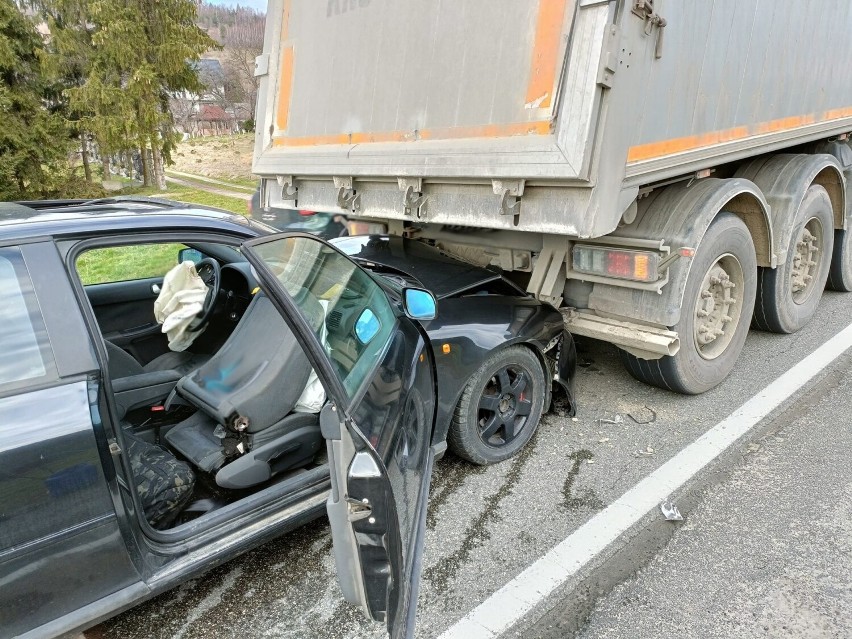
469, 329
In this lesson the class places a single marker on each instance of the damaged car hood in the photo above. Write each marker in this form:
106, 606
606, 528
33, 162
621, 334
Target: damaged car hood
442, 274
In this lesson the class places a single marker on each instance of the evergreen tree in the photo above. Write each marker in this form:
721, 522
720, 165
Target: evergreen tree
69, 54
142, 51
34, 142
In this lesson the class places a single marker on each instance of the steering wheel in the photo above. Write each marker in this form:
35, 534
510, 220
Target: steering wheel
209, 272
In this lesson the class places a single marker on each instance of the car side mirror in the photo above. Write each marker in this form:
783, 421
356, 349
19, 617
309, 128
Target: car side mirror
189, 255
419, 304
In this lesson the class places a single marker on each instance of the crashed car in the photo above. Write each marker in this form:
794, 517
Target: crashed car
325, 225
310, 377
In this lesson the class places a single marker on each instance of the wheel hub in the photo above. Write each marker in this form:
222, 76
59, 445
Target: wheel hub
805, 261
504, 406
717, 310
713, 312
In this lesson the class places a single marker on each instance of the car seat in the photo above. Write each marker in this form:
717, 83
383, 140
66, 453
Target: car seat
245, 431
136, 386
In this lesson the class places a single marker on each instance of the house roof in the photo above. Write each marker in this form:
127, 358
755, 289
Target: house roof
213, 113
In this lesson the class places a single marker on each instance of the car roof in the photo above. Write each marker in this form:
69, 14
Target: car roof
20, 220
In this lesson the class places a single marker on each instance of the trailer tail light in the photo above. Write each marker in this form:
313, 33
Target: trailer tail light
625, 264
366, 228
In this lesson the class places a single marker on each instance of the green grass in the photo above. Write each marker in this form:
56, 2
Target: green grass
197, 196
194, 196
122, 263
246, 183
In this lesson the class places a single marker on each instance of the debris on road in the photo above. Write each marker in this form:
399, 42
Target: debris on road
645, 415
648, 452
611, 418
670, 511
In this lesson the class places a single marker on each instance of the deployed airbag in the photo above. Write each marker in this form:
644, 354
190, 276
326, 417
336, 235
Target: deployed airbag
180, 301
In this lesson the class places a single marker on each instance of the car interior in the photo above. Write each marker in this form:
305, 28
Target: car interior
235, 412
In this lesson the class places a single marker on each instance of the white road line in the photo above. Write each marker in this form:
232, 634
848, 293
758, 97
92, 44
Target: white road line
510, 603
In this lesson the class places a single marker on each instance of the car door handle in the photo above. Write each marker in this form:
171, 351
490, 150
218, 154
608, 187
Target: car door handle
155, 289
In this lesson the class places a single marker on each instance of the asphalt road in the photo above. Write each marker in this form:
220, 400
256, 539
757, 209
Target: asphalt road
487, 524
767, 552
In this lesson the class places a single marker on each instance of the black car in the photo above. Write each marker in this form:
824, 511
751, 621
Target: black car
320, 378
324, 225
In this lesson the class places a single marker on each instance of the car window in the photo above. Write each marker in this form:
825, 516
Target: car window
130, 262
349, 312
23, 341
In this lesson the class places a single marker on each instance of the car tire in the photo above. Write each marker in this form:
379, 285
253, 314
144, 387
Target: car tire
508, 379
719, 295
786, 301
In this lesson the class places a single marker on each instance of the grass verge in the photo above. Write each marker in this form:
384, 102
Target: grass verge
194, 196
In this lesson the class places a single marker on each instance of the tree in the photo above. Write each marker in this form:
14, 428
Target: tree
69, 52
243, 43
143, 52
34, 142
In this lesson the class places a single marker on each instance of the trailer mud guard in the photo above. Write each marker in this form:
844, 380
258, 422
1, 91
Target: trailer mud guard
681, 214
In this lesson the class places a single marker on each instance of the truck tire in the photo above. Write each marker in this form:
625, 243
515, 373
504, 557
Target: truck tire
514, 377
840, 271
788, 296
717, 305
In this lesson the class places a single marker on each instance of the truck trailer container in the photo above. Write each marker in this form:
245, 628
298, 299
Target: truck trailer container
668, 172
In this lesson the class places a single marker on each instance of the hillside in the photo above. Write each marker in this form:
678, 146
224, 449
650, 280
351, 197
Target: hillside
226, 157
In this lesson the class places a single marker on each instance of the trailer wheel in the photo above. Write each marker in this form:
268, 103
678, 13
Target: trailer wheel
840, 272
787, 296
717, 305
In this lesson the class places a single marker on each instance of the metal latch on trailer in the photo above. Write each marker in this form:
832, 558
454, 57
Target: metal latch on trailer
510, 192
645, 10
609, 58
347, 198
289, 190
413, 200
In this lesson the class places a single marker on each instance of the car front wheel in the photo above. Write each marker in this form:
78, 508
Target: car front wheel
500, 407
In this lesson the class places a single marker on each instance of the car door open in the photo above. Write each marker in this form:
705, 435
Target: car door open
377, 368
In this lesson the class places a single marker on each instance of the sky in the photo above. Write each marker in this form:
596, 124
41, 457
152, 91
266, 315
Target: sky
260, 5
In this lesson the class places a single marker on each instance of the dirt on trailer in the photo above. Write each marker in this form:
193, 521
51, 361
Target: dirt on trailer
227, 156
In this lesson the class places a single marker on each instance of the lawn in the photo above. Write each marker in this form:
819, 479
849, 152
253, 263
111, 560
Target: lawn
195, 196
121, 263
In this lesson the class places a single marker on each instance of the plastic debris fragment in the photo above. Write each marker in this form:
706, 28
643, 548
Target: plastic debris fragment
611, 418
670, 511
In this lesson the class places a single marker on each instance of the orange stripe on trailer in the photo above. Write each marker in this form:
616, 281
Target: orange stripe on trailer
679, 145
537, 127
784, 124
663, 148
836, 114
545, 51
541, 127
285, 88
285, 24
